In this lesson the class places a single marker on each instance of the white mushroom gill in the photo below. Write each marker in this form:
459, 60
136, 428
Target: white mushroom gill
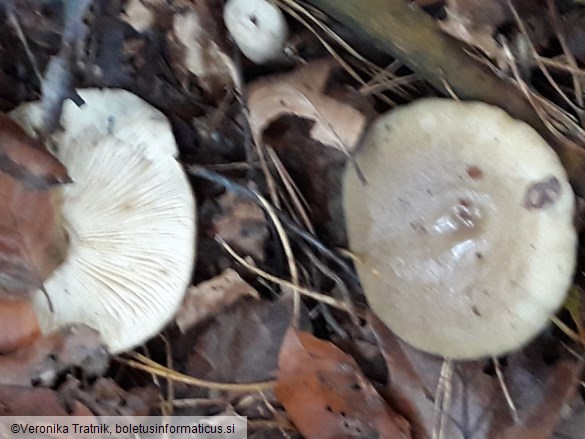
130, 217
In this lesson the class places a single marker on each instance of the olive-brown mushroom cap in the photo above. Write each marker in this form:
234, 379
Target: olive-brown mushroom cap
463, 226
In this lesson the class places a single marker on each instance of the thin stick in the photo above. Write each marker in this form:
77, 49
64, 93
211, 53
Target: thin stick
244, 192
283, 283
16, 24
443, 399
156, 369
504, 387
292, 266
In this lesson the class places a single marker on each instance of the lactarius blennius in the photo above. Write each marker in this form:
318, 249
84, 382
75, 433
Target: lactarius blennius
129, 217
463, 222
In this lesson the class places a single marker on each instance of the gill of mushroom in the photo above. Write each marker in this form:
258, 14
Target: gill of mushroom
129, 216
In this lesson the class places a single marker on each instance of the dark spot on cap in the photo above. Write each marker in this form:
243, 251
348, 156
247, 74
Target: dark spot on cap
474, 172
475, 311
542, 193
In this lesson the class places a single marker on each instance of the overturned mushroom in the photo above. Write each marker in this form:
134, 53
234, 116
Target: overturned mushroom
463, 221
129, 216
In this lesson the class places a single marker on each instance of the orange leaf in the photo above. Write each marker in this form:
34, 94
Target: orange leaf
18, 324
28, 232
327, 396
26, 159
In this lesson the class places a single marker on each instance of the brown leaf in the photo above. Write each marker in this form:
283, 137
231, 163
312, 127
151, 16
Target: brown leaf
242, 225
18, 324
300, 93
326, 395
26, 159
32, 243
27, 401
28, 231
476, 22
42, 362
195, 40
572, 427
106, 398
242, 344
206, 299
478, 408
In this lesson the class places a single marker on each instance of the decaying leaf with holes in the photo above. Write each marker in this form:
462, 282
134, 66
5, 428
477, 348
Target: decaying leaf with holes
327, 396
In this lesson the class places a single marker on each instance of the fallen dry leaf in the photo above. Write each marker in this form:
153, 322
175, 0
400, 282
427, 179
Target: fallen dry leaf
42, 362
28, 401
242, 343
195, 36
138, 15
28, 231
573, 426
106, 398
26, 159
476, 22
19, 326
206, 299
242, 224
327, 396
300, 93
478, 408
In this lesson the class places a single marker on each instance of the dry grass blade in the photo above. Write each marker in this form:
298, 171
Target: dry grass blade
292, 266
443, 399
543, 68
298, 201
284, 283
506, 391
145, 364
568, 331
552, 9
295, 10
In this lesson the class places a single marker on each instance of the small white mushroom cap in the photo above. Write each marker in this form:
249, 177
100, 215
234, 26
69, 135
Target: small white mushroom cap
258, 28
130, 217
464, 227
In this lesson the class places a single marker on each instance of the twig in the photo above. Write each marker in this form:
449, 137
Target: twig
284, 283
244, 192
505, 391
16, 25
147, 365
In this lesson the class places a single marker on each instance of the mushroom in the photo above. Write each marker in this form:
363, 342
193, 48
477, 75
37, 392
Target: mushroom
258, 28
462, 220
129, 216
